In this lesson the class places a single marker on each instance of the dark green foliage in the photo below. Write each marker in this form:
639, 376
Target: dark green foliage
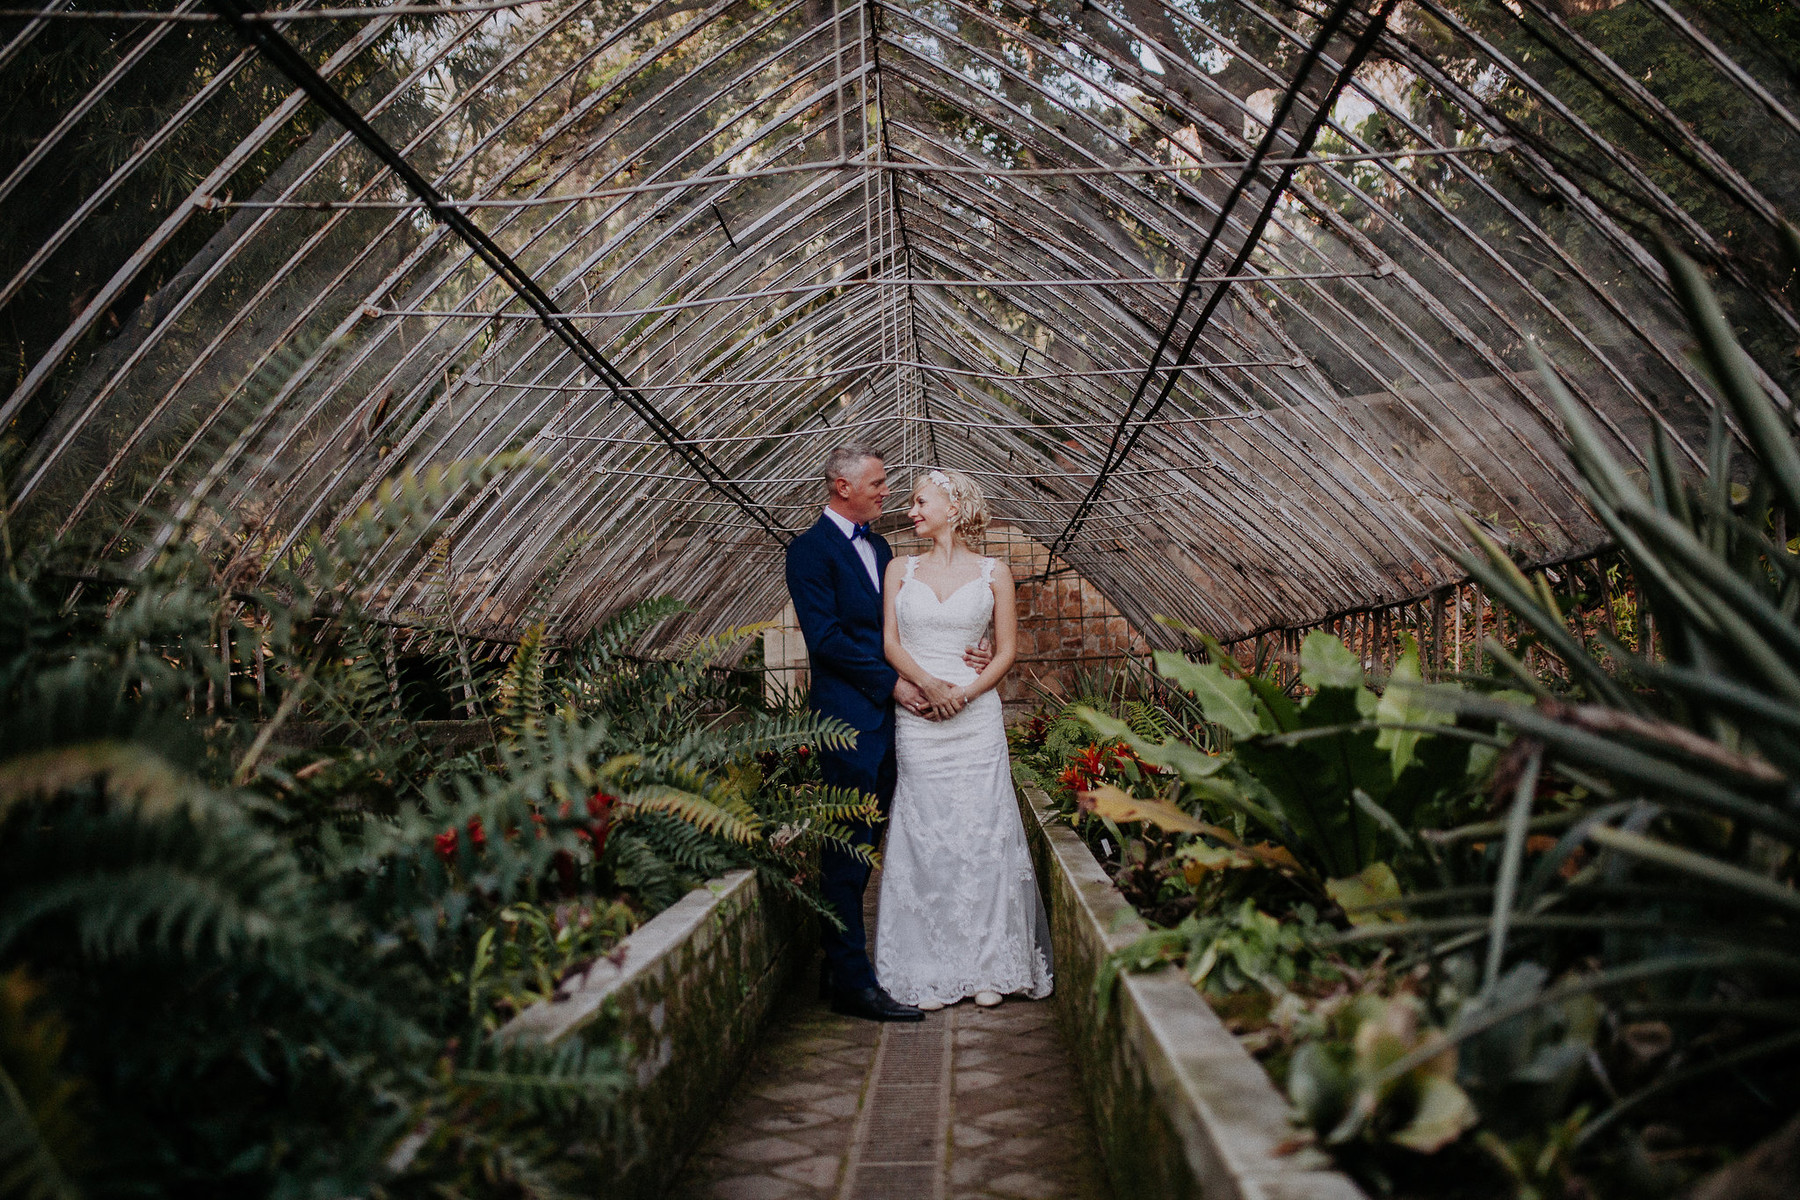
1614, 951
254, 969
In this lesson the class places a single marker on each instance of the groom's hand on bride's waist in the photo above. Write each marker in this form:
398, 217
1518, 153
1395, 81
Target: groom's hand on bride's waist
979, 656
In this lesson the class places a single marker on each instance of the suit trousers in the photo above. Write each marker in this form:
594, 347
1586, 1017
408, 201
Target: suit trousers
869, 768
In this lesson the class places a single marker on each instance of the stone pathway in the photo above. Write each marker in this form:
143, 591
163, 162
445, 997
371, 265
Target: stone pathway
971, 1103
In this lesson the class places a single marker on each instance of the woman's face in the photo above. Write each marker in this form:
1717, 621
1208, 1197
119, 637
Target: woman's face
931, 512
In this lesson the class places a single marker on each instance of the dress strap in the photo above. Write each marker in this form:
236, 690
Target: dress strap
987, 570
912, 560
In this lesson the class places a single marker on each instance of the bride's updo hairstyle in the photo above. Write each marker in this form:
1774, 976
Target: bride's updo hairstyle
965, 494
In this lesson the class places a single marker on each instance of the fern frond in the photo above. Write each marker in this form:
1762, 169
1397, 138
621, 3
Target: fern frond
1145, 721
404, 509
698, 811
543, 592
636, 864
706, 651
606, 642
818, 832
133, 774
819, 804
519, 699
681, 845
551, 1081
770, 732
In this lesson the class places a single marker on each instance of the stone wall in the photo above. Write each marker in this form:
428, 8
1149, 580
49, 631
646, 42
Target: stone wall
1181, 1108
688, 992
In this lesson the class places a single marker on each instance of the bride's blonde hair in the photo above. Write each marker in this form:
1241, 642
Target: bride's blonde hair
971, 519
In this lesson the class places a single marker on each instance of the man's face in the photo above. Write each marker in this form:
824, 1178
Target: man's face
861, 494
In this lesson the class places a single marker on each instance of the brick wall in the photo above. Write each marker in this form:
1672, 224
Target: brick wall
1065, 625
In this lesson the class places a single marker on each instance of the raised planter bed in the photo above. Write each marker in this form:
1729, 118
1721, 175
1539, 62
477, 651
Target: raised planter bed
688, 993
1181, 1108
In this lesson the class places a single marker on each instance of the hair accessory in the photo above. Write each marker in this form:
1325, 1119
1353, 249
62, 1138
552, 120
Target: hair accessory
942, 480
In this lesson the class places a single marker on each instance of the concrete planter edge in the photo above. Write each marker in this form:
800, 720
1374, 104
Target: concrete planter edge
1182, 1109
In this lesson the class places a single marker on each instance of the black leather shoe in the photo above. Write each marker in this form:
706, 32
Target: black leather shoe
873, 1004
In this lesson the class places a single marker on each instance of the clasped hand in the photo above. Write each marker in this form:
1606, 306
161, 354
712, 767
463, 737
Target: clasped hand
937, 699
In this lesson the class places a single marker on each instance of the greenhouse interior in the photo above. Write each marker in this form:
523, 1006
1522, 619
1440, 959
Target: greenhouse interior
727, 599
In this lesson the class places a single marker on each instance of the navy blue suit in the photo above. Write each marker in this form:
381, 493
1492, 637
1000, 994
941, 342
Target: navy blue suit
840, 616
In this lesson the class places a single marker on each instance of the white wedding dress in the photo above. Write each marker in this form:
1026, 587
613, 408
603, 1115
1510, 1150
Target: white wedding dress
960, 911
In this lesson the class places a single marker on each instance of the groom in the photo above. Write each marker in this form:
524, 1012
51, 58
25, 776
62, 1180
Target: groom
834, 573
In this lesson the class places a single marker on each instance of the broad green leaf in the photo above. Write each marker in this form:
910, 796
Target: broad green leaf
1326, 662
1227, 702
1358, 895
1283, 710
1404, 704
1189, 762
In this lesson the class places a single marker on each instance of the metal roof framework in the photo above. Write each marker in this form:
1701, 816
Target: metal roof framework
674, 251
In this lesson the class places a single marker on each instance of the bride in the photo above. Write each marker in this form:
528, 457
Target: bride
960, 913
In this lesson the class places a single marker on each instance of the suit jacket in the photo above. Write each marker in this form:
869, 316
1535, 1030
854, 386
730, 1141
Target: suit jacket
840, 616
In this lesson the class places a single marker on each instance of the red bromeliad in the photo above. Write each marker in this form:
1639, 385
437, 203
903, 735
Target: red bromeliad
599, 807
1095, 763
446, 841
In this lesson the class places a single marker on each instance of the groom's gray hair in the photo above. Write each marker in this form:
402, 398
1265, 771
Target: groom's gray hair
842, 462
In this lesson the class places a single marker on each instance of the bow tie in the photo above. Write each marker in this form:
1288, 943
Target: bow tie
859, 531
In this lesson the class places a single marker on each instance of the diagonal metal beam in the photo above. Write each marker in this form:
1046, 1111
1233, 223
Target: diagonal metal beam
1124, 442
281, 54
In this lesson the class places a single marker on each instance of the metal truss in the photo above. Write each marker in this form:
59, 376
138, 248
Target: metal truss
1236, 367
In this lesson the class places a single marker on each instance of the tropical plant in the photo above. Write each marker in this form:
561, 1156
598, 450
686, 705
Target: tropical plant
1231, 950
1340, 778
1616, 939
1674, 785
233, 967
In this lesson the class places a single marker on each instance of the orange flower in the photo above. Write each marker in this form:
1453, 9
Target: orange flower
1087, 768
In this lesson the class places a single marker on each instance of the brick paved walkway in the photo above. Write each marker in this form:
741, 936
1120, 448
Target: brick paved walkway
972, 1103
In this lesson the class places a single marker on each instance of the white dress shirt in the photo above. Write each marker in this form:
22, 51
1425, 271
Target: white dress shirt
864, 548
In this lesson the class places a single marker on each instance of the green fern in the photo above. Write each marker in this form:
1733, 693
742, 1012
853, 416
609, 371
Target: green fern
520, 695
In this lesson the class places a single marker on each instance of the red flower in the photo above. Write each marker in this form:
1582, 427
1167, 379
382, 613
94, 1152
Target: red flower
803, 752
446, 841
1093, 764
599, 808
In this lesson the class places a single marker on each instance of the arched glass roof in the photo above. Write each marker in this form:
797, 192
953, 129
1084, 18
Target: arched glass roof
1227, 302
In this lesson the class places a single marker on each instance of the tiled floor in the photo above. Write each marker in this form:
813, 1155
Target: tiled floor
1017, 1126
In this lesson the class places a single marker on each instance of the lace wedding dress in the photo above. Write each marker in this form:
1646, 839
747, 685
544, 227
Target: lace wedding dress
960, 911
